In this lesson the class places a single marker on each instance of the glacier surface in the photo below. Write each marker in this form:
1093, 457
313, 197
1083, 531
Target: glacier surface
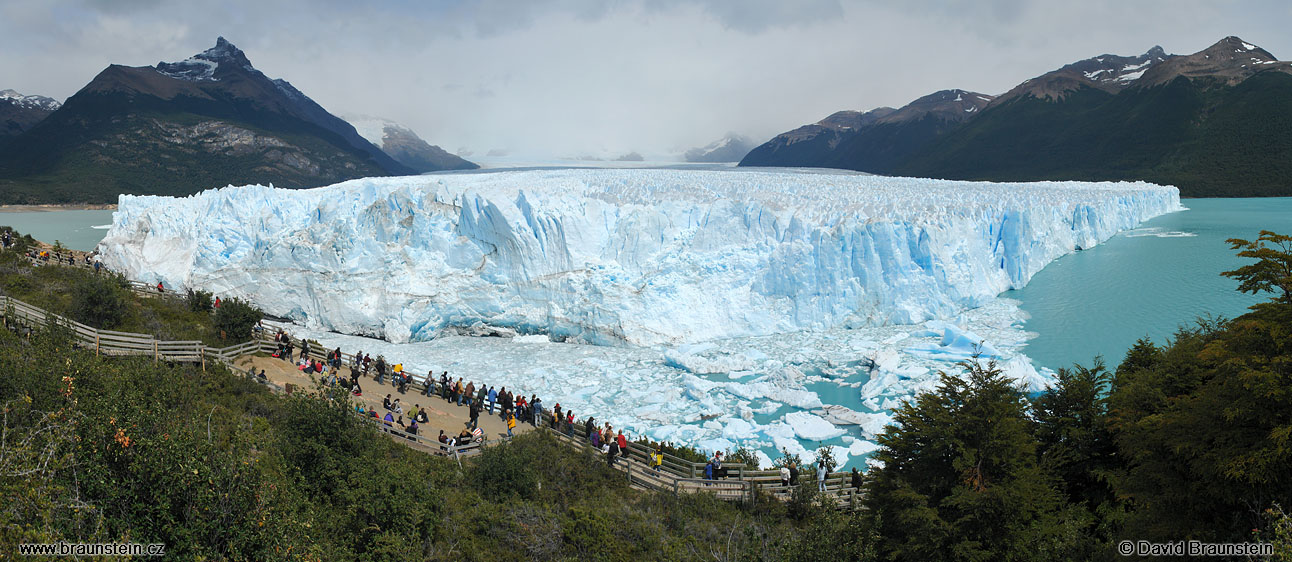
781, 311
619, 256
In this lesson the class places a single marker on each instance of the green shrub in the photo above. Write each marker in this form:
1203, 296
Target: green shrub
198, 300
234, 320
99, 301
503, 471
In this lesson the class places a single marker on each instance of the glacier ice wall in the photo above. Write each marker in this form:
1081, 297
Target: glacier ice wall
607, 256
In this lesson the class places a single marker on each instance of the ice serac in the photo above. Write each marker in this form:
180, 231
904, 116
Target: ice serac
619, 256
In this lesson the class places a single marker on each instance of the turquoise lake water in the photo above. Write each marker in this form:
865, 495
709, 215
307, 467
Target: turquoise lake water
1146, 282
75, 229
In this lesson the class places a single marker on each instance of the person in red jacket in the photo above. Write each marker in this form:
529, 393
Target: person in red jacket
623, 444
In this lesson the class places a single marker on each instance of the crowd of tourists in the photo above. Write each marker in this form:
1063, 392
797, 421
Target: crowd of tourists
511, 408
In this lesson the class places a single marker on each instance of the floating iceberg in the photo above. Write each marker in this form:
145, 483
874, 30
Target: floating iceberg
619, 256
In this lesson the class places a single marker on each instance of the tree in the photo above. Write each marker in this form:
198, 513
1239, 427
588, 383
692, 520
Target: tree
235, 318
1272, 271
960, 479
1076, 442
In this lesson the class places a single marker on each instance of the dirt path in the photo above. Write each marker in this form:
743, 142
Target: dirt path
442, 414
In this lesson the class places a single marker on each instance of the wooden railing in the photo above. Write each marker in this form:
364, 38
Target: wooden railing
103, 342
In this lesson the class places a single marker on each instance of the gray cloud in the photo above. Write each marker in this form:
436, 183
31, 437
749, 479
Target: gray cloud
562, 77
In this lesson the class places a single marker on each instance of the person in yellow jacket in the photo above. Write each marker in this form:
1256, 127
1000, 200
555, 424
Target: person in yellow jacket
511, 423
656, 459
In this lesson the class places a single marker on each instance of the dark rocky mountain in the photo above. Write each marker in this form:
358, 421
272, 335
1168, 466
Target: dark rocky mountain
1108, 73
811, 145
1214, 123
1230, 61
178, 128
19, 113
731, 148
402, 144
870, 141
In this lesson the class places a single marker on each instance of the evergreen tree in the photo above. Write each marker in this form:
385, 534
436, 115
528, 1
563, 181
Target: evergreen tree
1071, 423
960, 478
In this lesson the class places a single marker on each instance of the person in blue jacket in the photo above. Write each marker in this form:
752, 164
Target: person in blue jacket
493, 397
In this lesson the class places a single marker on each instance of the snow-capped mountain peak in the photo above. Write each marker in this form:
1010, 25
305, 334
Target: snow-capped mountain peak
202, 66
29, 102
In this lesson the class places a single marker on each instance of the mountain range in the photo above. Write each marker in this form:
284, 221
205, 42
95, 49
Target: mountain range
1214, 123
180, 127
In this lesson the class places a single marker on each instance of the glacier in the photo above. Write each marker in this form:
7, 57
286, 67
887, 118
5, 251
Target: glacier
642, 257
780, 311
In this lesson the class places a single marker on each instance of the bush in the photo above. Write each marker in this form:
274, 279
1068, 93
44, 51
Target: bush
503, 471
234, 320
100, 301
198, 301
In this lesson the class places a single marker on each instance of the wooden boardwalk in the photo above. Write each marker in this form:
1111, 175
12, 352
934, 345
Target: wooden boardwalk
675, 475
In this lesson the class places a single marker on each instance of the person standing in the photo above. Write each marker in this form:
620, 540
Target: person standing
474, 410
493, 397
481, 395
622, 442
469, 393
612, 451
856, 479
820, 476
785, 476
511, 424
657, 459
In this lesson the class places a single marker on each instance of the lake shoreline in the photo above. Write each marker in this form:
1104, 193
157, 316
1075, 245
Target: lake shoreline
58, 207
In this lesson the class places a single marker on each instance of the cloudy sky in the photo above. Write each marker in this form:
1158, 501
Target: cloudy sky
555, 78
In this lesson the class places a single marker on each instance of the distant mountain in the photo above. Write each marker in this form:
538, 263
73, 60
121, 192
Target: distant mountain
178, 128
730, 148
871, 141
1107, 73
402, 144
1214, 123
19, 113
